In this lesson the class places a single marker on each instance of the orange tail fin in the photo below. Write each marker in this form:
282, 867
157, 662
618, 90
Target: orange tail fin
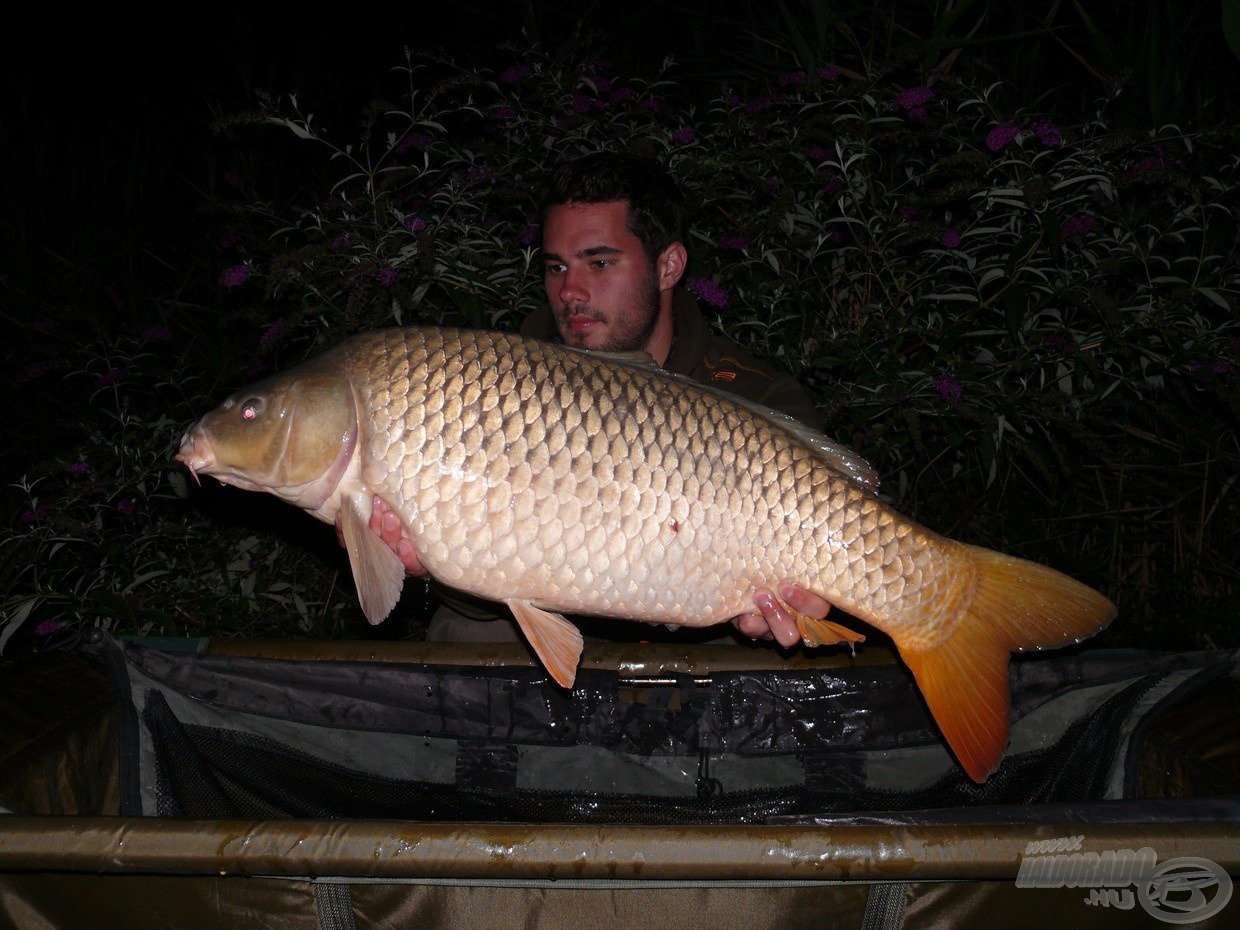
1017, 605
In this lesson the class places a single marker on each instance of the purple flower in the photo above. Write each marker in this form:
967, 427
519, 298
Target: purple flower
1075, 227
1001, 136
582, 103
950, 239
621, 95
387, 276
110, 377
414, 140
818, 153
234, 276
761, 104
830, 187
684, 135
79, 469
709, 291
733, 243
830, 73
601, 84
272, 333
1048, 133
39, 369
414, 223
232, 178
1153, 164
158, 333
125, 506
949, 389
40, 513
480, 174
1219, 368
513, 73
338, 242
46, 627
1061, 342
792, 79
913, 101
504, 112
529, 235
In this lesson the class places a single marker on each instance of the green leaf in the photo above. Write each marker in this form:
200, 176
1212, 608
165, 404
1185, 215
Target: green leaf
1231, 25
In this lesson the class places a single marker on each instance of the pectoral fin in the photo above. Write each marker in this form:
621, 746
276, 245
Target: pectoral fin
377, 571
555, 641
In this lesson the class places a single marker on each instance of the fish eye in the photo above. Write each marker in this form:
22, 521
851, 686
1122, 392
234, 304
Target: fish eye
251, 408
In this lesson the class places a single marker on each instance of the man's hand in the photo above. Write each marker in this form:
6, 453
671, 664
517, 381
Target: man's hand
386, 525
774, 621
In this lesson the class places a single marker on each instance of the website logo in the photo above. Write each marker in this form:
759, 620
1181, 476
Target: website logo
1183, 890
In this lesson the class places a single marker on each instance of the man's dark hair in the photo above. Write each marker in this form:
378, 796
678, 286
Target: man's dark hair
656, 207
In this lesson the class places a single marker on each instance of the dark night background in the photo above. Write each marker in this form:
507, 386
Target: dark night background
106, 125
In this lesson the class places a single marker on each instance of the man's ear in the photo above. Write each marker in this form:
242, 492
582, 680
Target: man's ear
671, 266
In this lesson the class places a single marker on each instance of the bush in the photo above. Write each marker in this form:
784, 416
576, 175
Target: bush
1028, 328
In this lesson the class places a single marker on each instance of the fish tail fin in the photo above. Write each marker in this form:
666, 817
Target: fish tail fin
1017, 605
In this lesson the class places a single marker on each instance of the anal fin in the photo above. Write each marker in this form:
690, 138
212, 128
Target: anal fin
377, 571
817, 631
555, 641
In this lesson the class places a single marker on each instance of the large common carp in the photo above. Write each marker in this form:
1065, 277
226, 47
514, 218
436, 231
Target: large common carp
557, 480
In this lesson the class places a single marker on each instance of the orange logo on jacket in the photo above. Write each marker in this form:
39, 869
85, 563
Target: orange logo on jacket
725, 375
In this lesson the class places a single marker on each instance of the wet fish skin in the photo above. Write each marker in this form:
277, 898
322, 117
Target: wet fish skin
559, 481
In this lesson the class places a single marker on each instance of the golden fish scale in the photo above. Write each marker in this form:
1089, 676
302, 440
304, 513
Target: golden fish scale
524, 470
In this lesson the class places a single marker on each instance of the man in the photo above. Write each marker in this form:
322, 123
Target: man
613, 253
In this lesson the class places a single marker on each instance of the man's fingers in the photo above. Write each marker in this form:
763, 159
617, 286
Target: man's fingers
752, 625
781, 623
807, 602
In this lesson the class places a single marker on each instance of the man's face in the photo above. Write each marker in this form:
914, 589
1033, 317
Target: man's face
603, 291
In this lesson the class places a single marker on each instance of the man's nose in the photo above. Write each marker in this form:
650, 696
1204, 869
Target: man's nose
572, 288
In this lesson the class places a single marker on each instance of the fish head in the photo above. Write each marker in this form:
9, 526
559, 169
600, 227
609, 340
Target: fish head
292, 435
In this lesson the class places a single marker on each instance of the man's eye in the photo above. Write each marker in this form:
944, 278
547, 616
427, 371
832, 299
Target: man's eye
554, 269
602, 263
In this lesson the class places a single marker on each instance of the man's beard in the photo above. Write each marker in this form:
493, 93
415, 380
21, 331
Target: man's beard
634, 332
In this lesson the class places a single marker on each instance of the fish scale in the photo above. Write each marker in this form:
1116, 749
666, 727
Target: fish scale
641, 540
560, 481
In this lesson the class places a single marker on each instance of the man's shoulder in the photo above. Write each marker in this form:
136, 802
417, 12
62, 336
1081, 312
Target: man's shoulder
730, 367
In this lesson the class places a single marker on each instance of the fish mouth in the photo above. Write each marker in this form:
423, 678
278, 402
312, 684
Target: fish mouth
193, 456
